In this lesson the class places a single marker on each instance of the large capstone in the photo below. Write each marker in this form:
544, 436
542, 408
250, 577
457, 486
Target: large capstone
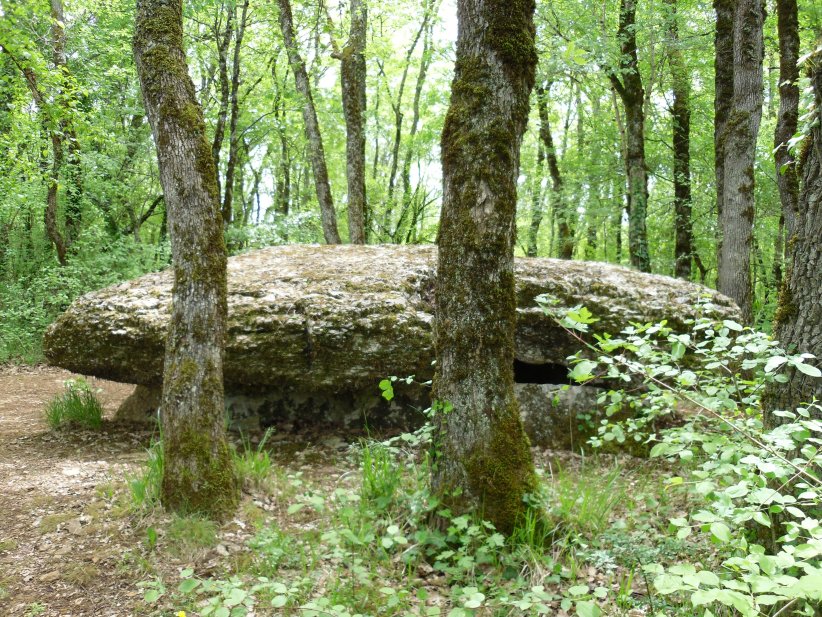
313, 329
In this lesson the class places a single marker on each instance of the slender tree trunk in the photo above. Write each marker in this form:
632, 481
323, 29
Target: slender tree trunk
73, 214
737, 215
723, 93
799, 313
531, 246
425, 62
198, 474
398, 118
630, 91
283, 186
233, 135
52, 174
352, 74
484, 463
312, 126
681, 123
787, 15
223, 41
565, 228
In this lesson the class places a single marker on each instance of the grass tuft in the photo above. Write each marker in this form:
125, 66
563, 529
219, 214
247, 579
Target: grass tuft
77, 406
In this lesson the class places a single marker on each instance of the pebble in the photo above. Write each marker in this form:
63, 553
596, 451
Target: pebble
50, 577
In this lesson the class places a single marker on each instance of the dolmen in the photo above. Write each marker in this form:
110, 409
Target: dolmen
313, 330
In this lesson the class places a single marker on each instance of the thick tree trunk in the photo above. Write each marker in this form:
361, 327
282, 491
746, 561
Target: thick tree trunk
737, 214
484, 463
787, 15
233, 135
799, 313
352, 74
630, 90
312, 126
198, 475
681, 121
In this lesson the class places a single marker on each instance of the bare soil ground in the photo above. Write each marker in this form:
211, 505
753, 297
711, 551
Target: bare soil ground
71, 545
61, 547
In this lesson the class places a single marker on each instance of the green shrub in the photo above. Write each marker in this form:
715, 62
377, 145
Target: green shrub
77, 406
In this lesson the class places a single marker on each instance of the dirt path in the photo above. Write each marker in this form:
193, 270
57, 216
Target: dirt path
64, 547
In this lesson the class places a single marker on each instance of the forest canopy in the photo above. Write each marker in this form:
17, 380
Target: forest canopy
81, 205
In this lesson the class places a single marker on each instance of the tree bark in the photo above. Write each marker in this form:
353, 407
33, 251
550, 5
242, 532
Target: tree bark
316, 150
799, 312
723, 91
198, 474
681, 126
739, 136
630, 91
352, 75
484, 463
787, 15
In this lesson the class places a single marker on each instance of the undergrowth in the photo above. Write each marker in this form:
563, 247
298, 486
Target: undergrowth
679, 534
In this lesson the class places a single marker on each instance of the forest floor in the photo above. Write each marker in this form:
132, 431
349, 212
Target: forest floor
71, 543
75, 543
61, 543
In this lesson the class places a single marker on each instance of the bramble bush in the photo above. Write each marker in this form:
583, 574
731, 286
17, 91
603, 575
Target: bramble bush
756, 490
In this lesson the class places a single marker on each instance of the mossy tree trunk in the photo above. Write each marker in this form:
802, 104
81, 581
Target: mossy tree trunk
484, 463
352, 77
681, 128
736, 216
198, 474
627, 83
316, 150
799, 312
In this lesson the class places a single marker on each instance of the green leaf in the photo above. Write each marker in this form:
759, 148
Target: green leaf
588, 609
677, 350
668, 583
582, 371
235, 597
808, 369
721, 532
189, 585
774, 363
